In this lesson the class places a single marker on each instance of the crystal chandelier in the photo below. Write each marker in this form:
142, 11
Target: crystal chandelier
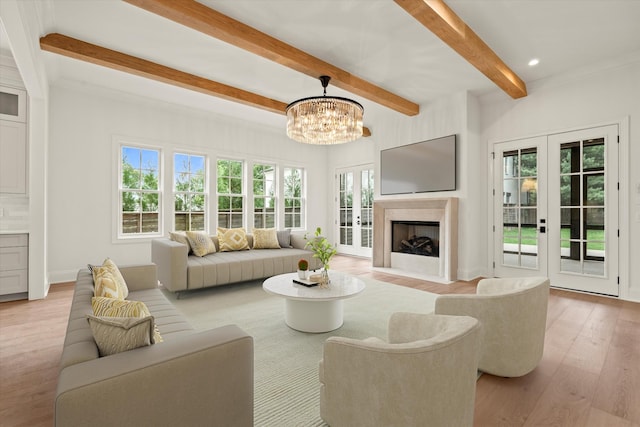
324, 119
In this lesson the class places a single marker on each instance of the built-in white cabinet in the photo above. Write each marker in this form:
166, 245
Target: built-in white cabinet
14, 266
13, 104
13, 141
13, 157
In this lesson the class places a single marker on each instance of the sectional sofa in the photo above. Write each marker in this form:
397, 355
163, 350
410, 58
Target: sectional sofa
191, 378
180, 271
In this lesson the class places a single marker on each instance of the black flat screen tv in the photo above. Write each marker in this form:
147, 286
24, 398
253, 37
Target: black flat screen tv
419, 168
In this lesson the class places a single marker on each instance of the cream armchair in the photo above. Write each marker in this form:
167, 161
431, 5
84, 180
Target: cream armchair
513, 312
425, 375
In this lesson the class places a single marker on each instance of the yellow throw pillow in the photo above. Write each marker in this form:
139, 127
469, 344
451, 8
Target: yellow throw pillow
180, 237
116, 276
104, 284
265, 238
117, 334
118, 308
200, 243
109, 307
232, 239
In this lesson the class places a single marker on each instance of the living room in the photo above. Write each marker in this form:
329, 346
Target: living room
76, 125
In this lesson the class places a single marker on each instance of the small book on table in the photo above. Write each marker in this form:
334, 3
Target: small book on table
305, 282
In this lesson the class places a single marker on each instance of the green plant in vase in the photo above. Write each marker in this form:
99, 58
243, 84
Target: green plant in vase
323, 251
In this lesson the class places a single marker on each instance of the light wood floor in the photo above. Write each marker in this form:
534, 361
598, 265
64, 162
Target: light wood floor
589, 375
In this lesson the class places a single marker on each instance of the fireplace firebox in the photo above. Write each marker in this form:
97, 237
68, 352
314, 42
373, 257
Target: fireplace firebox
416, 237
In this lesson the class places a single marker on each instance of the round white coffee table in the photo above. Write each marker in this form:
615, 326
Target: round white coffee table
314, 309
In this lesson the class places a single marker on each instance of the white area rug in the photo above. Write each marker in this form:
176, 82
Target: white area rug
287, 389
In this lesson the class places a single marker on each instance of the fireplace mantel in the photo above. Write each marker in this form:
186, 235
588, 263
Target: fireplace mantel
444, 210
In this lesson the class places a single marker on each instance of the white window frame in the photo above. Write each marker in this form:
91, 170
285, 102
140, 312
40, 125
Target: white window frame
243, 195
205, 193
118, 144
302, 198
276, 207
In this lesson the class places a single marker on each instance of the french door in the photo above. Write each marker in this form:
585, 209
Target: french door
354, 202
556, 209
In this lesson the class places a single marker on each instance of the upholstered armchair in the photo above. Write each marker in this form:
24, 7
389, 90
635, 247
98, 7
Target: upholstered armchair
424, 375
513, 312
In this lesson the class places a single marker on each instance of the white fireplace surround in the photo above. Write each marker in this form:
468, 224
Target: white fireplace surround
443, 210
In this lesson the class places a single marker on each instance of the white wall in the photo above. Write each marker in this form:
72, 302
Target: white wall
593, 97
81, 181
22, 23
457, 114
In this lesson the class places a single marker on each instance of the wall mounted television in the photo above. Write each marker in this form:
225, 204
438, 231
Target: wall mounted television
420, 167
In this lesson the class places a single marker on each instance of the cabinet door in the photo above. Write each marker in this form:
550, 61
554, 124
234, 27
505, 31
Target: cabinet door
13, 157
13, 104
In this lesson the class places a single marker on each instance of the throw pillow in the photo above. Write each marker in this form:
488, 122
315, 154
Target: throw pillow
117, 334
284, 238
200, 243
265, 238
232, 239
112, 268
180, 237
109, 307
105, 285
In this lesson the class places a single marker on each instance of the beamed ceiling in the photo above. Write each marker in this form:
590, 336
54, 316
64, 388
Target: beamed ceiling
250, 58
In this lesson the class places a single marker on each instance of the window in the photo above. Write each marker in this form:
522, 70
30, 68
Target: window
139, 189
230, 193
264, 200
293, 198
190, 197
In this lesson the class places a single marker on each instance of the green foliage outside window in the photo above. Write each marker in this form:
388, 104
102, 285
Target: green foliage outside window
140, 190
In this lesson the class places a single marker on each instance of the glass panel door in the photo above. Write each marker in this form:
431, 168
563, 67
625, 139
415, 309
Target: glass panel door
520, 235
354, 196
583, 186
556, 209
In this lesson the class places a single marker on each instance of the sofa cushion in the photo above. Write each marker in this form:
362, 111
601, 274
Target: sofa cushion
232, 239
200, 242
265, 238
117, 334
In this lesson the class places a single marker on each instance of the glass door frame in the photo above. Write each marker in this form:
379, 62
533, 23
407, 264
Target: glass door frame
500, 267
361, 218
614, 207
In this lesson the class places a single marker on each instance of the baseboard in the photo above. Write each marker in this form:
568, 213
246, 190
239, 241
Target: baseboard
473, 274
62, 276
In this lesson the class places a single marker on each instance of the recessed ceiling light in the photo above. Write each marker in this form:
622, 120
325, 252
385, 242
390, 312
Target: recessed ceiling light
534, 62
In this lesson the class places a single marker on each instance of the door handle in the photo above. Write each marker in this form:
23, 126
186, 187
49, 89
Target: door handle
358, 220
543, 229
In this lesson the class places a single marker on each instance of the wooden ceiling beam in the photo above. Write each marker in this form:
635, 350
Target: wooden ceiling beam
199, 17
442, 21
78, 49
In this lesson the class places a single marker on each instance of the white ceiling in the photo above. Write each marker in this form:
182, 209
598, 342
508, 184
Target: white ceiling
373, 39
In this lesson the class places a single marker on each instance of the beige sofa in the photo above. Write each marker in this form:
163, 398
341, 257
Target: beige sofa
180, 271
192, 378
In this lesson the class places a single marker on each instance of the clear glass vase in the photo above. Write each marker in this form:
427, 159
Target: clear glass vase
324, 279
